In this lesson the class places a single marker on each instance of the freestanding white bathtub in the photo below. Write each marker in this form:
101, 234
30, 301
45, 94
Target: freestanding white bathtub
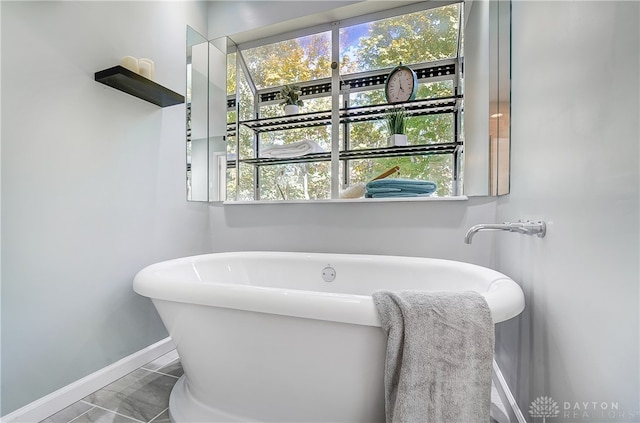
293, 337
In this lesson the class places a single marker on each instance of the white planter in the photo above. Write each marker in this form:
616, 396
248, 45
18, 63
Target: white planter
396, 140
291, 109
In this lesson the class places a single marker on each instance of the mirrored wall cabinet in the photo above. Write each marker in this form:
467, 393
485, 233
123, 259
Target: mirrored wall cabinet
437, 73
206, 117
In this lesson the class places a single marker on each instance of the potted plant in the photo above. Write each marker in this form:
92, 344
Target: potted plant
397, 125
290, 96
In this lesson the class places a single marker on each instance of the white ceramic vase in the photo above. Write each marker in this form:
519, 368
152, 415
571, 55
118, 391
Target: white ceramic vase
397, 140
291, 109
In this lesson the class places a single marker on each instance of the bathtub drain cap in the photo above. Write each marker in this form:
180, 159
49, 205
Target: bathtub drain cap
328, 274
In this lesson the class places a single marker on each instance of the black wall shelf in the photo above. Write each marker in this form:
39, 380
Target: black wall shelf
136, 85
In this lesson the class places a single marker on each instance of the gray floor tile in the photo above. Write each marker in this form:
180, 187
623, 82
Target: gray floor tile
98, 415
162, 361
141, 395
173, 369
69, 413
162, 418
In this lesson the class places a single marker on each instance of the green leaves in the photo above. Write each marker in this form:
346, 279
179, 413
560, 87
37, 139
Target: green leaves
396, 122
290, 95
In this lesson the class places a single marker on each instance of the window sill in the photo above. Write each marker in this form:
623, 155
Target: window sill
351, 200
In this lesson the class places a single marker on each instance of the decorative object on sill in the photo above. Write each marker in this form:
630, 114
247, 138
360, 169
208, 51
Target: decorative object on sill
147, 68
396, 187
359, 189
397, 125
125, 80
401, 84
290, 96
387, 173
284, 197
291, 109
130, 63
356, 190
294, 149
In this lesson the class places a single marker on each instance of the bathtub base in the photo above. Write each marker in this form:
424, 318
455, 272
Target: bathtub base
184, 408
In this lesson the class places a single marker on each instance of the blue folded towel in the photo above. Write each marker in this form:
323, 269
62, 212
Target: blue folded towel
416, 190
391, 187
401, 183
394, 194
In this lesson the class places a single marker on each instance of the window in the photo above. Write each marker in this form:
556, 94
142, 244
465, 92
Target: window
427, 40
291, 61
419, 37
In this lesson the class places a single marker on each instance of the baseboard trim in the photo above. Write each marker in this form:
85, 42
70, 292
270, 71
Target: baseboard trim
504, 391
50, 404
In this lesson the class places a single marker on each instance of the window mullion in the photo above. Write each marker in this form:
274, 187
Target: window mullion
256, 148
335, 110
346, 174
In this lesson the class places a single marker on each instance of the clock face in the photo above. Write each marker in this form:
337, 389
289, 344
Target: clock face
400, 85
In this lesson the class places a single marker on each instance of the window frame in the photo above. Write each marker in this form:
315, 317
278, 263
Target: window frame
266, 96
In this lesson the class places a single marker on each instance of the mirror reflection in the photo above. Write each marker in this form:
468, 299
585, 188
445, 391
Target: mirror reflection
500, 97
196, 101
206, 130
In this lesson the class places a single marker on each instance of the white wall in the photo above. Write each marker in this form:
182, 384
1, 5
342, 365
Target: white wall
93, 186
575, 165
433, 229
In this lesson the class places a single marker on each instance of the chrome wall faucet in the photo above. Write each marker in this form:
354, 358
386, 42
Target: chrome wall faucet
527, 228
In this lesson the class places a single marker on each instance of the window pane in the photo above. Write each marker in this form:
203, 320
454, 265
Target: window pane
367, 98
321, 135
429, 129
231, 147
231, 184
245, 98
435, 90
231, 73
300, 59
301, 181
246, 144
423, 36
425, 91
246, 183
436, 168
319, 104
371, 134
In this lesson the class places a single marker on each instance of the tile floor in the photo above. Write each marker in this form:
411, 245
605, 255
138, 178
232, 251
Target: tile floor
142, 396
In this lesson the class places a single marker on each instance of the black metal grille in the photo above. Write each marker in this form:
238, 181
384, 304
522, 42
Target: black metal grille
354, 114
367, 153
422, 73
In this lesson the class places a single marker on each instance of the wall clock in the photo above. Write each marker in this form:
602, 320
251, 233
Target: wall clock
401, 84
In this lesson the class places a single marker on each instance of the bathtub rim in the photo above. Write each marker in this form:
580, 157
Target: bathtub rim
503, 295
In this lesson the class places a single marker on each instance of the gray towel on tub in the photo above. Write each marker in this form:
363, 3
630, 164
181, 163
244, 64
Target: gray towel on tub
439, 356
